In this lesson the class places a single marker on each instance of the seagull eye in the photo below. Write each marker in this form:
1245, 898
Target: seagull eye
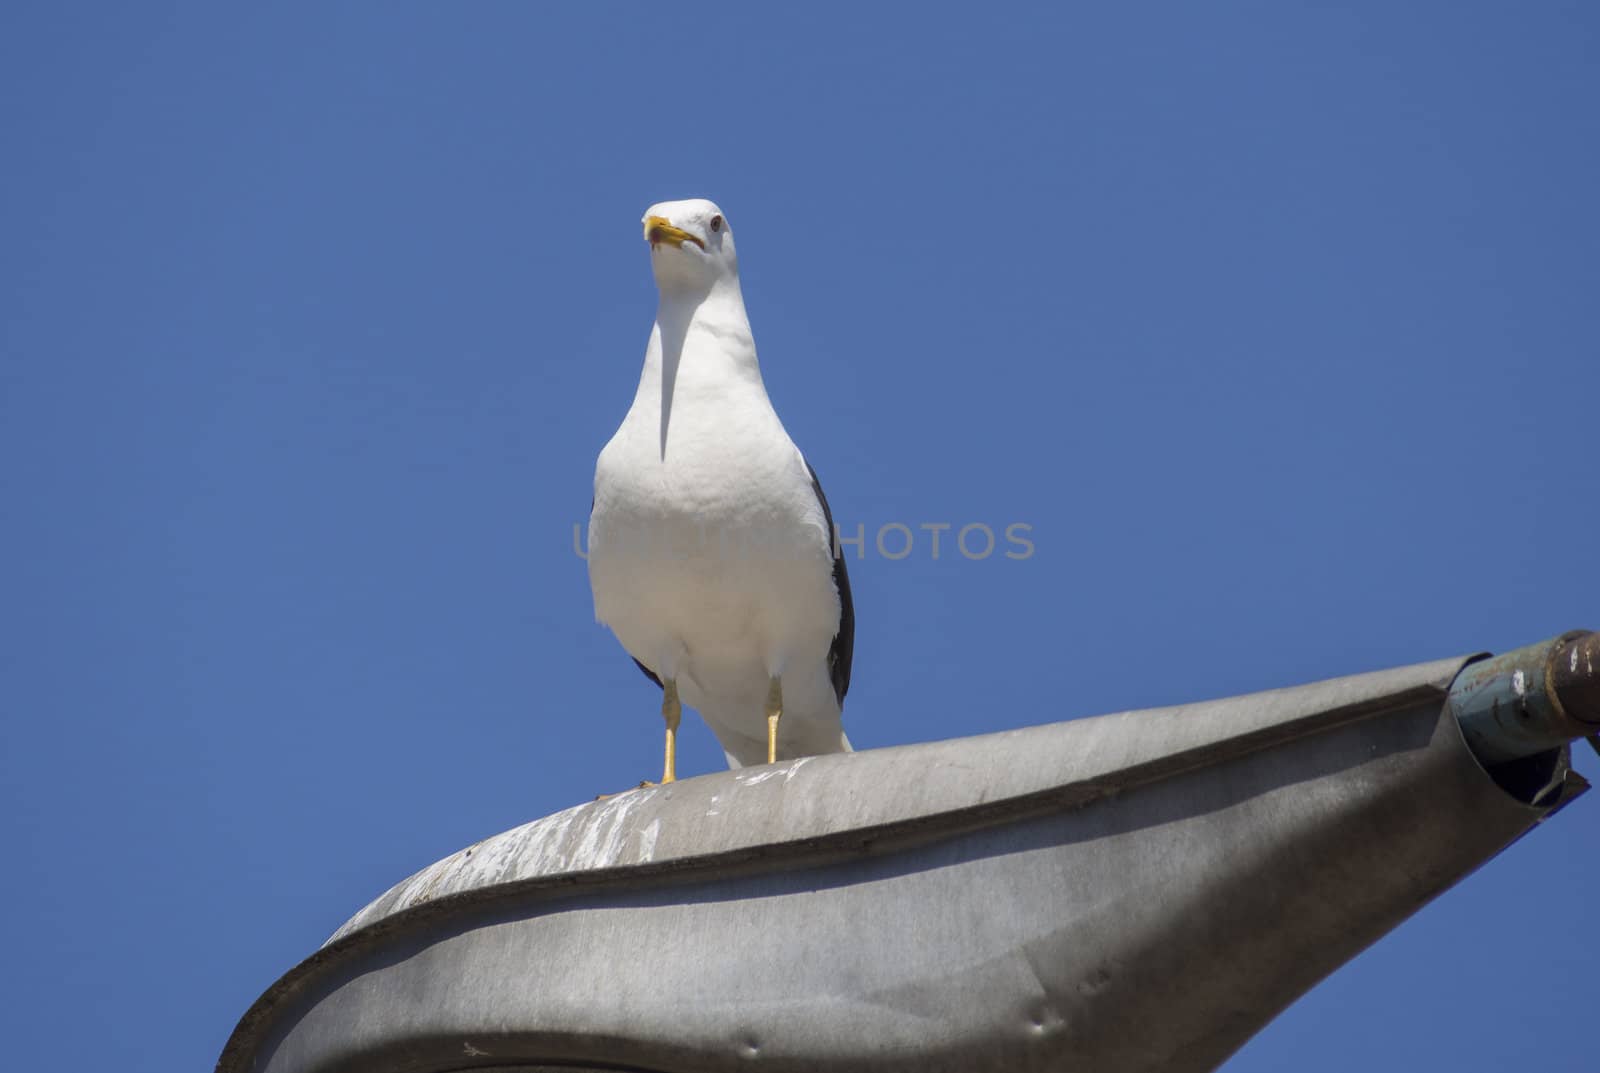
716, 223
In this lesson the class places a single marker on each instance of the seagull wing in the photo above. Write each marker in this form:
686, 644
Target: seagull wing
648, 673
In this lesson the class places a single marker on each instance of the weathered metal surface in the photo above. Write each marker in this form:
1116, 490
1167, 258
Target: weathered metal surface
1532, 699
1135, 892
1575, 678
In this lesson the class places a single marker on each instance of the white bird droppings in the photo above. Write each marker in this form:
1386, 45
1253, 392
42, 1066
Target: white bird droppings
647, 840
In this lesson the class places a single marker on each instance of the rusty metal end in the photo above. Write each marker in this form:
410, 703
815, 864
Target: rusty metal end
1530, 700
1574, 676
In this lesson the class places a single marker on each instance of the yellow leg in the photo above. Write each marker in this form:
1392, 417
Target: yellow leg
774, 713
672, 712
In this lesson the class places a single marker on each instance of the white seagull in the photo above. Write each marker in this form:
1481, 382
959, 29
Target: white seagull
711, 547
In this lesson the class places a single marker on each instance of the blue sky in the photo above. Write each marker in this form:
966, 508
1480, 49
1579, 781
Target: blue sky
1274, 322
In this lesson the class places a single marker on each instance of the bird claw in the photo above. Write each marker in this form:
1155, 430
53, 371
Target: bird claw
643, 784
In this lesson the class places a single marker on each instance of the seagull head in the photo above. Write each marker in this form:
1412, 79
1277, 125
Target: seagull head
691, 245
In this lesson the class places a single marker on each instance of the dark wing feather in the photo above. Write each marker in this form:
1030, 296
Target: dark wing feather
843, 648
648, 673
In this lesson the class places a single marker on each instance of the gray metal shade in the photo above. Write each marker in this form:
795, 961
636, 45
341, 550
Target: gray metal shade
1133, 892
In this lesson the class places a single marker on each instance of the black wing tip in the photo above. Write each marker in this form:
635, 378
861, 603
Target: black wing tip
648, 673
842, 652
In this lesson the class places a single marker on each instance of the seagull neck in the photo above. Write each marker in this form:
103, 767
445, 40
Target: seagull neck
718, 310
701, 354
712, 323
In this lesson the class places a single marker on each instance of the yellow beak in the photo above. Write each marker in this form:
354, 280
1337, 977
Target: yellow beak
659, 229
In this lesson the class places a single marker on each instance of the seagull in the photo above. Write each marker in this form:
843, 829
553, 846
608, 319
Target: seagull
712, 550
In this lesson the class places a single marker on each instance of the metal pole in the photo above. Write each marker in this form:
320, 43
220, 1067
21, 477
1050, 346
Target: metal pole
1531, 699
